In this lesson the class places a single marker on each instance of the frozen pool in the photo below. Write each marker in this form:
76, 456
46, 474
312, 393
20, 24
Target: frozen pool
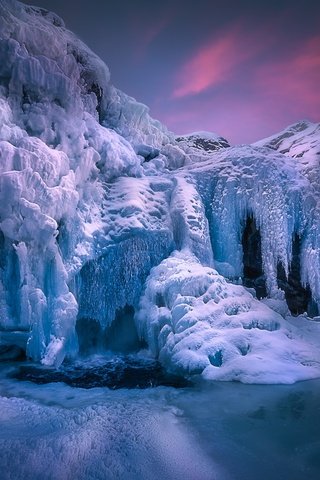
219, 431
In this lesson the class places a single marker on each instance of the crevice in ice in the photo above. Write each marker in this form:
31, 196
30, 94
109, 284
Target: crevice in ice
253, 276
298, 297
90, 336
216, 360
11, 281
9, 353
121, 337
98, 91
244, 349
147, 152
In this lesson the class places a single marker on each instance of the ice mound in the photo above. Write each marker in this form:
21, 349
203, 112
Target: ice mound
197, 323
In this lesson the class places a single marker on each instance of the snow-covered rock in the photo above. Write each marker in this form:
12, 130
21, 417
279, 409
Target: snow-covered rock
207, 141
95, 195
300, 140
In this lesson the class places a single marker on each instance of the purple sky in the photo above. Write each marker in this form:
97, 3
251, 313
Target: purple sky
242, 68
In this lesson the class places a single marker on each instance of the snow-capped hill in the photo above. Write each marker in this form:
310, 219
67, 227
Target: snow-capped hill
202, 141
302, 139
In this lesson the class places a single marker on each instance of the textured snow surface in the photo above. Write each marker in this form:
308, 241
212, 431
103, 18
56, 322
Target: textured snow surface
54, 435
95, 195
198, 323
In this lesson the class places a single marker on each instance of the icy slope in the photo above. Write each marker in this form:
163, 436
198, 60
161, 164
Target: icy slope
95, 196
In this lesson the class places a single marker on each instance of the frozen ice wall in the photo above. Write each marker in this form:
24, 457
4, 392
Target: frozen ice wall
247, 182
99, 202
301, 143
54, 157
63, 135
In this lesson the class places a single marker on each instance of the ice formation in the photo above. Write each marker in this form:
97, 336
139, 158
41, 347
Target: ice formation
103, 209
196, 322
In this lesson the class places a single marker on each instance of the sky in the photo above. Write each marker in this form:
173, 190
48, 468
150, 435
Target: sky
244, 69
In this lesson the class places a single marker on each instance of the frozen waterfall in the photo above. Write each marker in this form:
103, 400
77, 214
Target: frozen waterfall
103, 210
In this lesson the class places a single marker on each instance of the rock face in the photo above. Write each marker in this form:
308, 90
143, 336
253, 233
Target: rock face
203, 141
114, 232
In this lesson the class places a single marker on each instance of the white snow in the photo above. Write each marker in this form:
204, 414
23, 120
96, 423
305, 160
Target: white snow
300, 140
196, 322
96, 436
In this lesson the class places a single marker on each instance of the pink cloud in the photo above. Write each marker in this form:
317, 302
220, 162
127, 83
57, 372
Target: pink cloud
253, 84
216, 61
294, 81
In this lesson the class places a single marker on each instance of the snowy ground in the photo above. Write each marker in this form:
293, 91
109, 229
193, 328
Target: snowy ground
58, 432
221, 431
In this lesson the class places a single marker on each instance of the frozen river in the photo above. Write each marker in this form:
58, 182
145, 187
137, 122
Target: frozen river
216, 431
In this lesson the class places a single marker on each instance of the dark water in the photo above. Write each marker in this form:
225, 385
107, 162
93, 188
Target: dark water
258, 432
127, 371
